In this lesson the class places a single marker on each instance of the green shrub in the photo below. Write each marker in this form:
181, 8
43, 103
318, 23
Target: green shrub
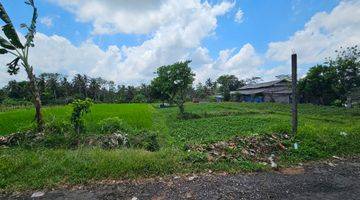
80, 108
57, 127
187, 116
145, 140
113, 125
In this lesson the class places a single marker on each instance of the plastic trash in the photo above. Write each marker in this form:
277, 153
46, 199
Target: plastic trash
272, 162
296, 145
37, 194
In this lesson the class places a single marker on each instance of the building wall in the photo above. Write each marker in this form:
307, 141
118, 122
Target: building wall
278, 98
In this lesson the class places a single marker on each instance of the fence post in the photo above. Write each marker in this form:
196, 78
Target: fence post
294, 109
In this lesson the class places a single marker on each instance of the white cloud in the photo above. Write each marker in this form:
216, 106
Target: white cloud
47, 21
239, 16
135, 17
322, 35
57, 54
244, 64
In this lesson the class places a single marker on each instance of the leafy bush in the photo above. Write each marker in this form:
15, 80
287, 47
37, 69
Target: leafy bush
13, 102
145, 140
80, 108
57, 127
188, 115
113, 125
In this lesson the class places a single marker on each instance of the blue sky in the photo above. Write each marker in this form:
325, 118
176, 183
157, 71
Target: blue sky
126, 40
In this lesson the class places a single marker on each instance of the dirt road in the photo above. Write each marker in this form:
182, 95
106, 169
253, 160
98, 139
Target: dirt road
336, 179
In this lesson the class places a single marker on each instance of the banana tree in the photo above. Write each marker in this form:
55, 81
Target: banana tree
11, 44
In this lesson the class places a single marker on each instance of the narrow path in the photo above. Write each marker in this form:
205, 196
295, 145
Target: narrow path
338, 179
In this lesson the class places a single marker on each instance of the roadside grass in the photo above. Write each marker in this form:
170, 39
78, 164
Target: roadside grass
34, 169
323, 132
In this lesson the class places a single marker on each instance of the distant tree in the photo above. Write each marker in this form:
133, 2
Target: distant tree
228, 83
145, 91
175, 80
332, 81
65, 87
200, 91
158, 90
317, 86
253, 80
347, 65
80, 84
139, 98
130, 93
18, 90
121, 94
95, 89
210, 87
3, 95
12, 45
283, 76
49, 84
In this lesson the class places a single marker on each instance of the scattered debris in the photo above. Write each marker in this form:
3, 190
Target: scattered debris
343, 133
37, 194
272, 162
192, 178
336, 157
296, 146
255, 148
113, 141
189, 195
331, 164
176, 177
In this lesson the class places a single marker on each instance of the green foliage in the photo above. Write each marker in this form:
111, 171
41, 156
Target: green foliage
334, 80
113, 125
229, 83
175, 80
58, 127
145, 140
80, 108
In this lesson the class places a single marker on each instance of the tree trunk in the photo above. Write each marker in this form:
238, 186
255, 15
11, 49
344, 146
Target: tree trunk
36, 98
181, 108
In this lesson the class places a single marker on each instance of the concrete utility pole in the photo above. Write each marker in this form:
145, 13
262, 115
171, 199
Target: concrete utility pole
294, 105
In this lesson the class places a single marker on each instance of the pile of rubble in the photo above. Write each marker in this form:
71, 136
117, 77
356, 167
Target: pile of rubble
19, 137
108, 141
255, 148
32, 139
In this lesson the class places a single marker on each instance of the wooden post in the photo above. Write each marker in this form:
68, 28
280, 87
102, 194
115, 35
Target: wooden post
294, 111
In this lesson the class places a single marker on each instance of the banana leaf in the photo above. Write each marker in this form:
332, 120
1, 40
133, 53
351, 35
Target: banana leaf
5, 44
32, 29
3, 51
9, 29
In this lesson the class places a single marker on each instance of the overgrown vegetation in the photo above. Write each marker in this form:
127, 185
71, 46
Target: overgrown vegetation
137, 140
80, 108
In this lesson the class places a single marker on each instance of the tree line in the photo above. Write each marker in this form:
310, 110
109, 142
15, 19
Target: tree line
329, 83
